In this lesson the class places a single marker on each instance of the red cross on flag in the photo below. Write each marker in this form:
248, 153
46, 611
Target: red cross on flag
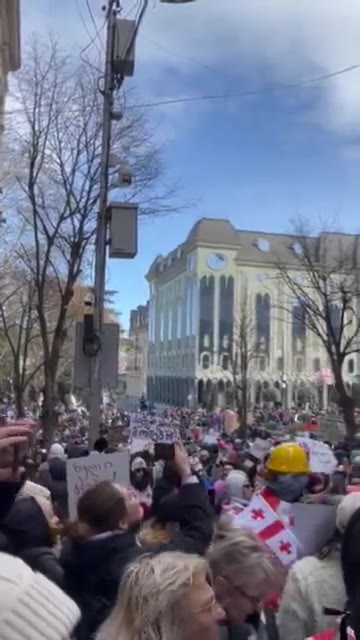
231, 508
261, 516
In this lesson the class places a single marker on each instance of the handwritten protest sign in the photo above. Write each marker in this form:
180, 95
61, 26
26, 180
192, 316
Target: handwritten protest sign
149, 429
83, 473
321, 458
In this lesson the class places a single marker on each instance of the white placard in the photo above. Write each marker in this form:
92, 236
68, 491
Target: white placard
145, 430
260, 448
315, 524
83, 473
321, 458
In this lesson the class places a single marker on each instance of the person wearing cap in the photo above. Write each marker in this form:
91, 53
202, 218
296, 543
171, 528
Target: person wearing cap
314, 594
32, 607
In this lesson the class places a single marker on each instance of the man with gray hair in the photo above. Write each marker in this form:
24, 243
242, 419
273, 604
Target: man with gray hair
244, 576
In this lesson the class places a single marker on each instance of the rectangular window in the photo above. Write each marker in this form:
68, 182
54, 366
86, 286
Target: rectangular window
170, 323
188, 307
162, 325
194, 307
179, 321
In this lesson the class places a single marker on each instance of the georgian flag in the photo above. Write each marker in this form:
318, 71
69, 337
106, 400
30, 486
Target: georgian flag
231, 508
264, 517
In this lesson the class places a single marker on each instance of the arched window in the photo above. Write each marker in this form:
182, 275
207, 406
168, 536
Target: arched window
206, 313
225, 362
262, 363
299, 364
299, 324
263, 305
205, 361
317, 365
335, 320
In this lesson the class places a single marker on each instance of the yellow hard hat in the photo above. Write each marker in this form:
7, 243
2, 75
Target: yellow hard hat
288, 457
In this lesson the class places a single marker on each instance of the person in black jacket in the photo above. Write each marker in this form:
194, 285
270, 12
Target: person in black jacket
53, 476
105, 541
95, 554
182, 514
29, 535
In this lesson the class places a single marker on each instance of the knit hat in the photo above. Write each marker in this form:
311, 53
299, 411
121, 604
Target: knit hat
56, 451
234, 484
138, 463
346, 509
34, 490
32, 607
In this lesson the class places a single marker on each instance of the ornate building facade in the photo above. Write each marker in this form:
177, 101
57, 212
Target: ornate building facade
195, 298
9, 60
9, 45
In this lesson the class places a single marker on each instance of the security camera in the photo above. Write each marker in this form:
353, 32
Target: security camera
125, 175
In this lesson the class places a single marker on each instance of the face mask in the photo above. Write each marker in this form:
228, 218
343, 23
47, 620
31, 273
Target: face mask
288, 486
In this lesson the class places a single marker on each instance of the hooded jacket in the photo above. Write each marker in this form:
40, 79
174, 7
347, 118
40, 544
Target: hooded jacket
29, 538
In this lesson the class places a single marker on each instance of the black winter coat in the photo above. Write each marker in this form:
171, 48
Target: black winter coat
29, 537
94, 567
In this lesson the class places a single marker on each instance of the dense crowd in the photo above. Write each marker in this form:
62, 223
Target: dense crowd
167, 558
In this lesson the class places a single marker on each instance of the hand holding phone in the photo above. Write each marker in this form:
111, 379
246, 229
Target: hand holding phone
14, 442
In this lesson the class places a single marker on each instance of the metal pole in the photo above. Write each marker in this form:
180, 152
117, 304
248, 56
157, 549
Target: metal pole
101, 231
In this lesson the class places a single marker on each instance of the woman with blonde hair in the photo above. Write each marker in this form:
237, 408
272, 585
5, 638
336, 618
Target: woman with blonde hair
164, 597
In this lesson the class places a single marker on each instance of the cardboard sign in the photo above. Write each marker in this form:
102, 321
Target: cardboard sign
314, 525
83, 473
321, 458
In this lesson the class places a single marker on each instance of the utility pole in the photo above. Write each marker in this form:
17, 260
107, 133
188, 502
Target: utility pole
102, 225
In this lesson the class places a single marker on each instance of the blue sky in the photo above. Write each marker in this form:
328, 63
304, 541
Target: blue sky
260, 160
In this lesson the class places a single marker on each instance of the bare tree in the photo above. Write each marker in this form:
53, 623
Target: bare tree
54, 149
20, 331
321, 275
243, 353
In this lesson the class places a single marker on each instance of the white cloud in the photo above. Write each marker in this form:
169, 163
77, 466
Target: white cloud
263, 42
240, 44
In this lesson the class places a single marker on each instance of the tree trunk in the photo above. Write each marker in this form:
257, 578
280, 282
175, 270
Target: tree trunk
19, 401
347, 405
49, 415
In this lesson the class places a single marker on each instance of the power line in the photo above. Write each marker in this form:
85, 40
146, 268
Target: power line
229, 96
94, 22
84, 24
250, 92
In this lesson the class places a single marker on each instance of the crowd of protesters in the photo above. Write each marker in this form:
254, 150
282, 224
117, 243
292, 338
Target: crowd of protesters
160, 559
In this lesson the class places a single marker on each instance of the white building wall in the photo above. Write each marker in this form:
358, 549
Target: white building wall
176, 355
